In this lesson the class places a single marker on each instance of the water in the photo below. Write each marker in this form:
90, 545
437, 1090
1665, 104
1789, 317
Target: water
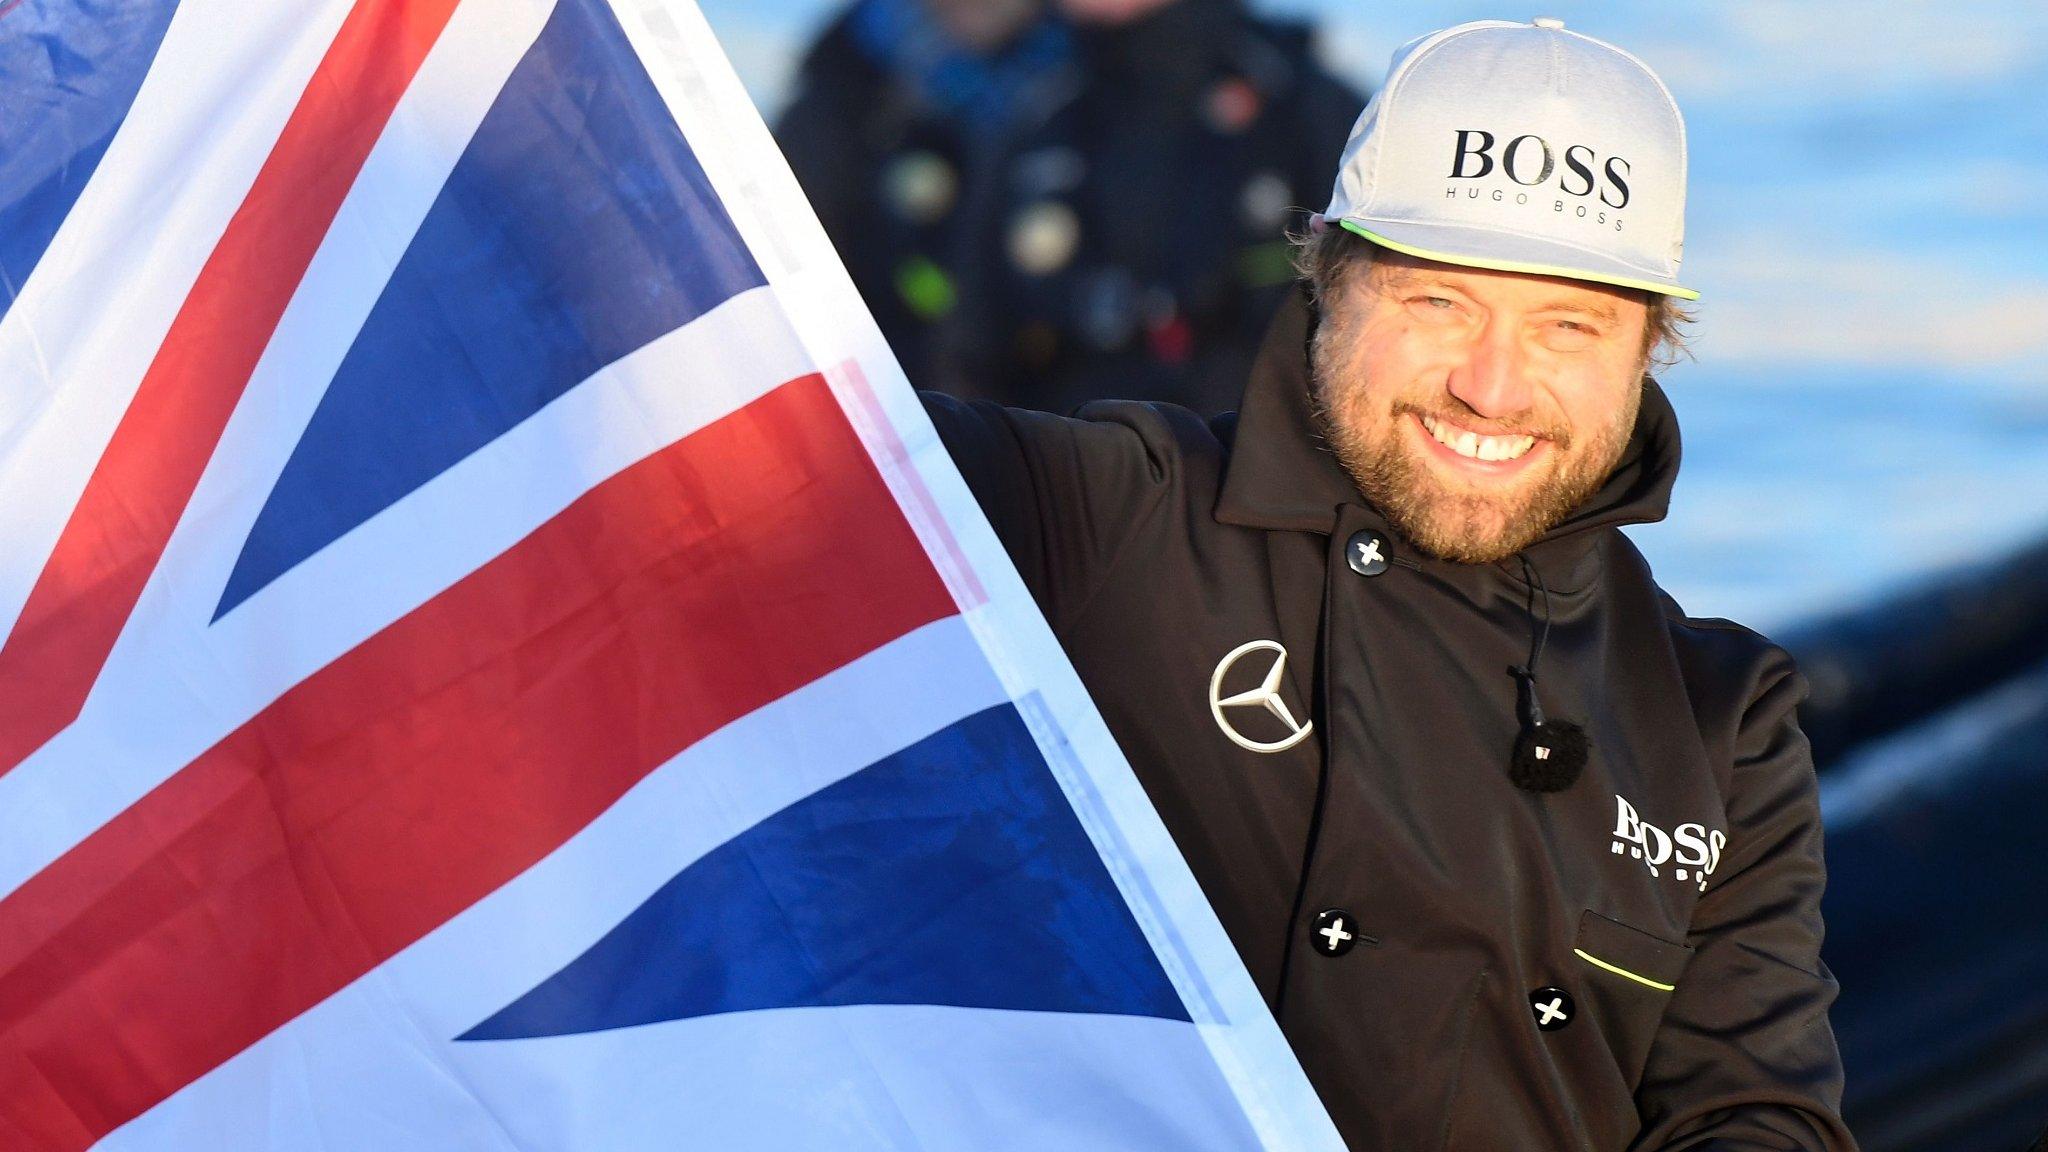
1868, 224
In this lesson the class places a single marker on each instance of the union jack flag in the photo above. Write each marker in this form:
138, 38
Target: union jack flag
491, 653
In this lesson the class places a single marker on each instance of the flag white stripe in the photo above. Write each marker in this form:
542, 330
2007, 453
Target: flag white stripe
75, 344
864, 1078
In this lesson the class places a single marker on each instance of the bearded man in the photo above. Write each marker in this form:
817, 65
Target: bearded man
1522, 856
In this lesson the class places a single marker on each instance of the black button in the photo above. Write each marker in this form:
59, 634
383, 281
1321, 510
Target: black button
1553, 1008
1368, 552
1336, 932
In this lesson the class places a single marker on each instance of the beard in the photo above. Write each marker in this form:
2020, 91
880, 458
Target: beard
1458, 521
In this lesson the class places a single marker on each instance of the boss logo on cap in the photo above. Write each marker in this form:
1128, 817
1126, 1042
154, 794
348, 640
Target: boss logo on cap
1532, 162
1516, 158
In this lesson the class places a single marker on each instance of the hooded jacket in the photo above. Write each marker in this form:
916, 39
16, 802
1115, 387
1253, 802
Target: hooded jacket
1459, 963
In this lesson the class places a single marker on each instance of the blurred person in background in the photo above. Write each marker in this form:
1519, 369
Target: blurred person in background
1047, 206
899, 123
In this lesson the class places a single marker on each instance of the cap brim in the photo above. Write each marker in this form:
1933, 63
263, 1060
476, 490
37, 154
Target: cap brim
1505, 252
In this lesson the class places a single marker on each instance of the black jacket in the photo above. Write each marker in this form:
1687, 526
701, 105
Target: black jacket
1686, 1011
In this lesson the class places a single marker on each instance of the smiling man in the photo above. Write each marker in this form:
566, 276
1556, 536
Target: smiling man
1522, 856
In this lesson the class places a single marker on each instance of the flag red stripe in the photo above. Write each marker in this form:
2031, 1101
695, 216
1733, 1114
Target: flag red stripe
889, 447
144, 479
445, 755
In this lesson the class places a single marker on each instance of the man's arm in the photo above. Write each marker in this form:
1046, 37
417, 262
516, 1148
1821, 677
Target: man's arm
1066, 496
1745, 1058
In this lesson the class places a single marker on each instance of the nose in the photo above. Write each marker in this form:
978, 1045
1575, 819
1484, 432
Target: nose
1494, 379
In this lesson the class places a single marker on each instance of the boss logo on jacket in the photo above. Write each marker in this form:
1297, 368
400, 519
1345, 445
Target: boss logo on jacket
1694, 850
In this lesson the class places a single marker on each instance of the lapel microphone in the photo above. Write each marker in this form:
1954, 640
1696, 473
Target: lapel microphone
1548, 754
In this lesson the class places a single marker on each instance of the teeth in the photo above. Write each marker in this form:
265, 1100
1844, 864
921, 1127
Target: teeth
1476, 447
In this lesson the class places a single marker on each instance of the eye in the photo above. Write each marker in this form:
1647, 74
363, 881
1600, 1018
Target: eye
1434, 308
1570, 335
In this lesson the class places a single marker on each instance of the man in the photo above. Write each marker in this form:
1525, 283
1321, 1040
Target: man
1522, 856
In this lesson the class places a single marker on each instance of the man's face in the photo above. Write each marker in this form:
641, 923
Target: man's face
1477, 409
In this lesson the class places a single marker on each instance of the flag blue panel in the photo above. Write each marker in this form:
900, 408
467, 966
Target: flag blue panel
576, 227
69, 71
951, 873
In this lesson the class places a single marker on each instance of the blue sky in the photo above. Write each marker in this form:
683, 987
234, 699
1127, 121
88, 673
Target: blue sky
1868, 225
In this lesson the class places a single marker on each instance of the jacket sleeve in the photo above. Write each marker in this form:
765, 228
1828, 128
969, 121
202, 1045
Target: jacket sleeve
1745, 1059
1066, 496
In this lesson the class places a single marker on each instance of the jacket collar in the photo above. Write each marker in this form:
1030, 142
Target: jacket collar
1283, 475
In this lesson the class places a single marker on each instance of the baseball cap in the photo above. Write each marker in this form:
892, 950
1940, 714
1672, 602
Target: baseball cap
1521, 148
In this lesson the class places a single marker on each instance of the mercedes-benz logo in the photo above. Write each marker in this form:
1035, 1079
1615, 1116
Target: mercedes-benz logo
1266, 695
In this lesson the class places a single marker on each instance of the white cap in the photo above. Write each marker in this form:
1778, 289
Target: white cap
1522, 148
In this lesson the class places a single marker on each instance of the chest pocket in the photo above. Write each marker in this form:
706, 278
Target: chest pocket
1629, 976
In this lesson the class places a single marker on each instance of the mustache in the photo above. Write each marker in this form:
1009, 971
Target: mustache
1463, 416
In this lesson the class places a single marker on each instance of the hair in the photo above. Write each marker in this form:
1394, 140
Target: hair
1328, 259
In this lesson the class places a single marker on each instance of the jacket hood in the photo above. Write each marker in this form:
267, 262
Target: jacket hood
1282, 473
